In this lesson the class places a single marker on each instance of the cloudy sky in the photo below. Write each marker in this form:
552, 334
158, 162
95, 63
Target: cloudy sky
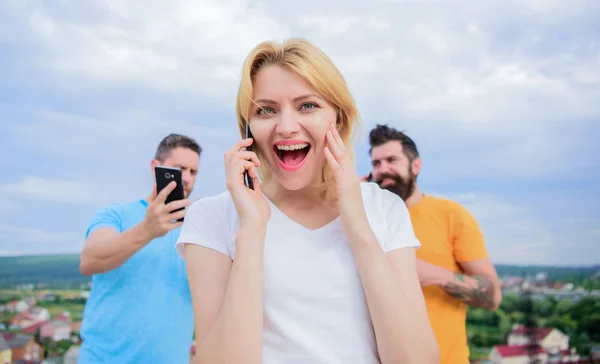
500, 96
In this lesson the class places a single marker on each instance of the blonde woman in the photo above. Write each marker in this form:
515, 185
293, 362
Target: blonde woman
312, 266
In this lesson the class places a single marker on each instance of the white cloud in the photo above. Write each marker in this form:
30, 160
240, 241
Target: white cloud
7, 205
109, 135
23, 235
63, 191
501, 90
31, 240
496, 71
521, 231
180, 46
425, 59
487, 207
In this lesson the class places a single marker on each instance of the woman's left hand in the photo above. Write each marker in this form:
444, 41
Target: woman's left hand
350, 201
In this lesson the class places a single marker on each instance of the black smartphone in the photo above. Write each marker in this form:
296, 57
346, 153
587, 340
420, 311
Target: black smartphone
164, 176
370, 177
247, 179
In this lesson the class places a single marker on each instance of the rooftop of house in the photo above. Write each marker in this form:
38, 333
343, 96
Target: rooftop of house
507, 351
64, 316
16, 340
32, 329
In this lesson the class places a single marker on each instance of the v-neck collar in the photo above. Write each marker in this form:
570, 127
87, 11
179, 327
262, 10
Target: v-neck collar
297, 224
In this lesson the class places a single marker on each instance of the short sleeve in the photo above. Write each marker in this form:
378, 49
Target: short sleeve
468, 239
399, 230
109, 216
206, 223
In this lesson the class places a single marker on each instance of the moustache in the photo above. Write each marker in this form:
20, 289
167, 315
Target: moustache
394, 177
402, 187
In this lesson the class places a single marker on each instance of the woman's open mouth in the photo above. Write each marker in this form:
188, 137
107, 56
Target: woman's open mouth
291, 154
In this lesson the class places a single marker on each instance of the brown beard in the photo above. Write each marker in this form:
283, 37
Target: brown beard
402, 186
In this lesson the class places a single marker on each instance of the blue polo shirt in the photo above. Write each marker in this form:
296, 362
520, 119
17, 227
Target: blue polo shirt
140, 312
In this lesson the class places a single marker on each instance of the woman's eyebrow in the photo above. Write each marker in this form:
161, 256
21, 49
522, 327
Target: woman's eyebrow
296, 99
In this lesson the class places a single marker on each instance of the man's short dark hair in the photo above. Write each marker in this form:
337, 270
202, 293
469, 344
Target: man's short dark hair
173, 141
382, 134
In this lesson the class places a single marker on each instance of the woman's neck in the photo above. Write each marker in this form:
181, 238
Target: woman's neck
309, 197
306, 207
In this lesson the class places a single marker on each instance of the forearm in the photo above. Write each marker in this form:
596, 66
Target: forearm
473, 290
236, 335
103, 255
397, 309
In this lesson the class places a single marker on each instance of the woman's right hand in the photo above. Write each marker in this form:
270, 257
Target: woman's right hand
252, 207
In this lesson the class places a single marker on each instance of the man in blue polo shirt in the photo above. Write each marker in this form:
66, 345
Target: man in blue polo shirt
139, 309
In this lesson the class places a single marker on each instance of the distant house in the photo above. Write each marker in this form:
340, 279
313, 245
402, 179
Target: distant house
64, 316
5, 352
23, 347
21, 320
48, 297
11, 306
31, 316
512, 282
33, 328
552, 345
516, 354
56, 331
17, 306
38, 313
551, 339
21, 306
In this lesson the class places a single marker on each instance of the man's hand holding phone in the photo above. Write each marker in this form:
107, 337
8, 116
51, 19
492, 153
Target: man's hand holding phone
160, 217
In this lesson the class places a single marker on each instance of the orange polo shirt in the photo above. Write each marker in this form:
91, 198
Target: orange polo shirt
449, 234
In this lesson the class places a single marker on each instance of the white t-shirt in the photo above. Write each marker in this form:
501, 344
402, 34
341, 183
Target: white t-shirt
315, 309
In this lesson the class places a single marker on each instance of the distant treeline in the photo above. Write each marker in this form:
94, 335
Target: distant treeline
63, 270
53, 270
576, 275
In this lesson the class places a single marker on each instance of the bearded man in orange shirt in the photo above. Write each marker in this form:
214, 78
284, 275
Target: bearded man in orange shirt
453, 264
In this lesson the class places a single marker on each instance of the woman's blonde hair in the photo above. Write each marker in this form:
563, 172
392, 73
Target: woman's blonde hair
318, 70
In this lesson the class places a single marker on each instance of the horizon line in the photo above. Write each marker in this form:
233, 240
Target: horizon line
540, 265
